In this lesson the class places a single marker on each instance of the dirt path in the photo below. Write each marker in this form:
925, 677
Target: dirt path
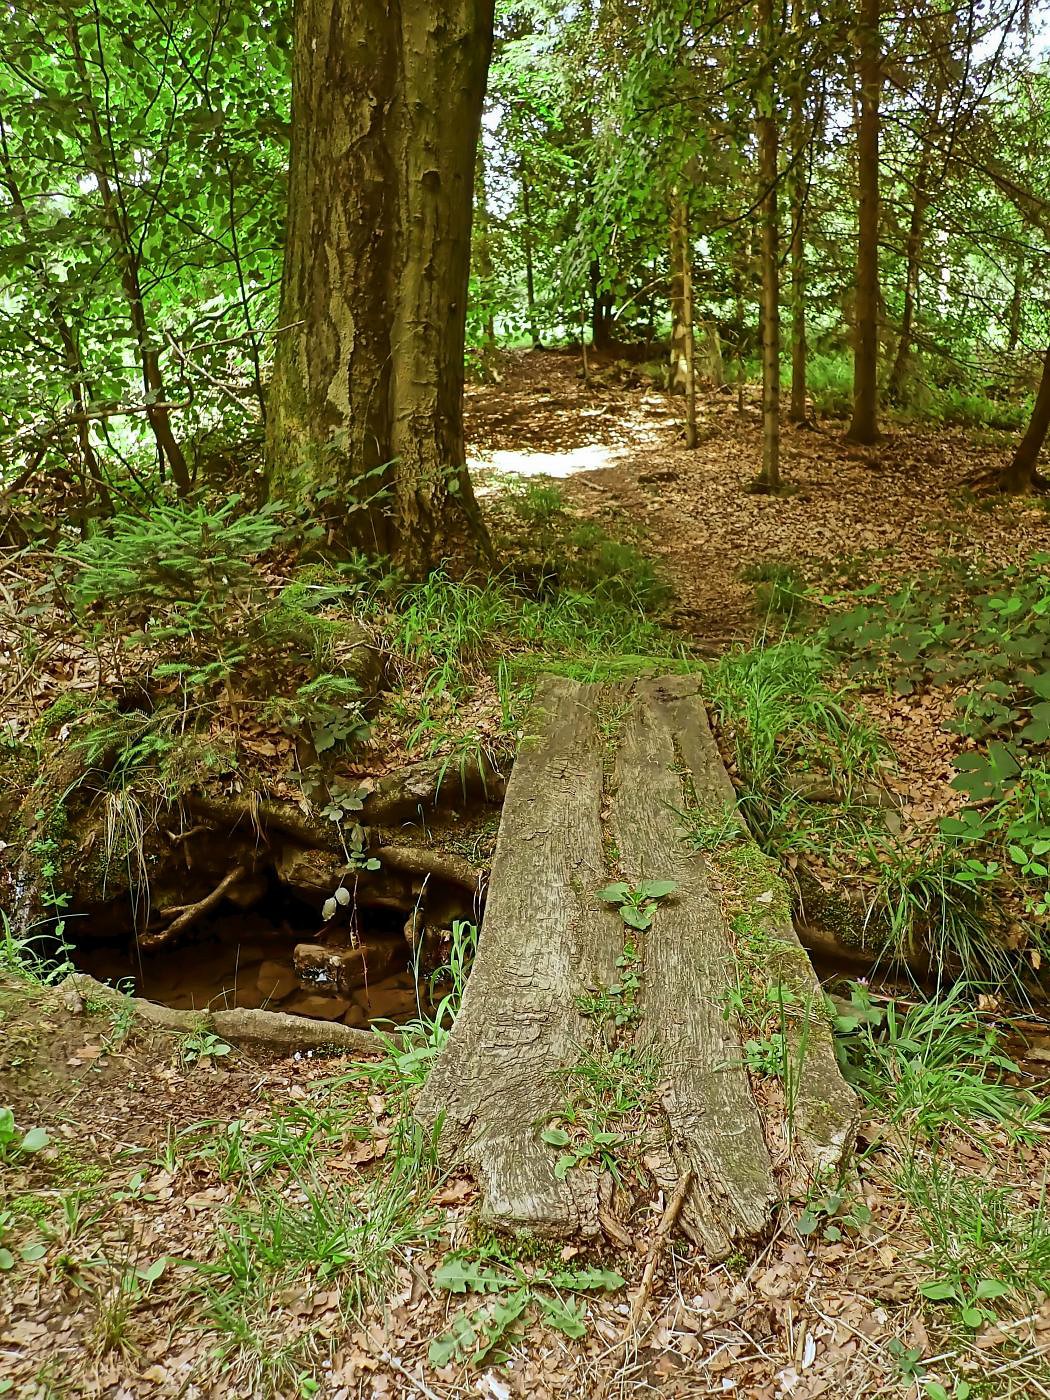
617, 445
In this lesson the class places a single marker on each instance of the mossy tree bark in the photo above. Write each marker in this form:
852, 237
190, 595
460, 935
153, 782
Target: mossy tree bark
864, 427
368, 381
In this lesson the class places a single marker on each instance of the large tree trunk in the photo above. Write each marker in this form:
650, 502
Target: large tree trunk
1021, 474
767, 180
367, 394
683, 334
864, 427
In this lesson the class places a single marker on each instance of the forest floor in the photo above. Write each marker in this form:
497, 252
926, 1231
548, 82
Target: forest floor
206, 1223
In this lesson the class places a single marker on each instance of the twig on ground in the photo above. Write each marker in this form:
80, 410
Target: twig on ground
664, 1230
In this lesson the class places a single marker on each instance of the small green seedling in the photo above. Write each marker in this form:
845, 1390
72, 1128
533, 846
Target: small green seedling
14, 1143
201, 1047
832, 1215
638, 902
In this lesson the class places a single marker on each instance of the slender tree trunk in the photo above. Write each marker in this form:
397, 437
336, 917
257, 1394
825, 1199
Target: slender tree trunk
798, 411
683, 341
865, 428
128, 259
896, 388
1021, 474
1016, 303
601, 310
367, 393
741, 271
483, 249
76, 375
770, 253
527, 236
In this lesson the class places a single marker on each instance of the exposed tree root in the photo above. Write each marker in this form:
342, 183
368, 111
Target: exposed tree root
188, 914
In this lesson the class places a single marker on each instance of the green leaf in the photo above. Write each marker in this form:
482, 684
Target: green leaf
35, 1140
32, 1252
590, 1280
564, 1165
7, 1259
566, 1316
457, 1275
992, 1288
807, 1223
939, 1292
656, 889
615, 894
972, 1317
636, 918
555, 1137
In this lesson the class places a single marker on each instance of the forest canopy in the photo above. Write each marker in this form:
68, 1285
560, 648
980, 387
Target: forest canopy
876, 177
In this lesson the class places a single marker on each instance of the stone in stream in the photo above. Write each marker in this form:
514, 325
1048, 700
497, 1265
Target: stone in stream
323, 968
276, 981
387, 1002
318, 1008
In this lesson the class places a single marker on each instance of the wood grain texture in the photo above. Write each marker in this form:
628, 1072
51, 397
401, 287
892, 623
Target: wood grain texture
545, 940
826, 1112
713, 1127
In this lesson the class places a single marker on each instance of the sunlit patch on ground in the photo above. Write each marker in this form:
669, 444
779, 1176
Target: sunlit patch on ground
506, 462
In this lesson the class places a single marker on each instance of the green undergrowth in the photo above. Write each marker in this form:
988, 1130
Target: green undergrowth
970, 891
934, 392
235, 645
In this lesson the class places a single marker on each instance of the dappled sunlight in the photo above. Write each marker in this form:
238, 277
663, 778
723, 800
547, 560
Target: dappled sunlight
592, 457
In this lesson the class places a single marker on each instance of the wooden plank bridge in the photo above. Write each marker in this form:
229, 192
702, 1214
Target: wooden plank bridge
618, 784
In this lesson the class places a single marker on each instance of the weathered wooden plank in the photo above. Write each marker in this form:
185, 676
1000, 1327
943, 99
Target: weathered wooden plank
601, 794
824, 1112
545, 941
713, 1126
